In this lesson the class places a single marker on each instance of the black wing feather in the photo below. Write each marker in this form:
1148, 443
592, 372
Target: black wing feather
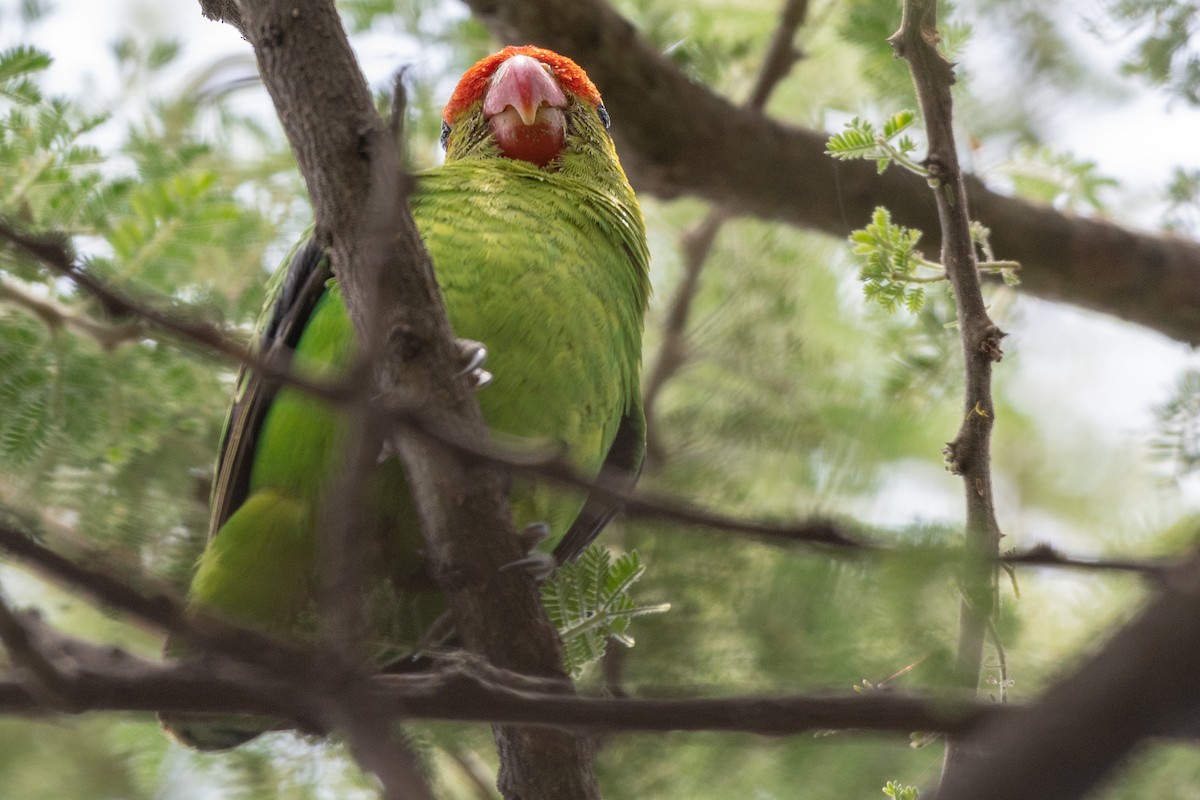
307, 273
622, 465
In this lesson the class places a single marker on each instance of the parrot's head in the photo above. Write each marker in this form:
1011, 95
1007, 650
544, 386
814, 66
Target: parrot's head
524, 103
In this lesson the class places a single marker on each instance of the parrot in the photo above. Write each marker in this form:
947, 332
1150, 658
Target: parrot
539, 249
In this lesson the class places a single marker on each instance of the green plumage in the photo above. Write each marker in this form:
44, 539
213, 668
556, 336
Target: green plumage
546, 267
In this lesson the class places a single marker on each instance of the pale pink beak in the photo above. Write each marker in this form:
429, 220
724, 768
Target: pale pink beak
523, 83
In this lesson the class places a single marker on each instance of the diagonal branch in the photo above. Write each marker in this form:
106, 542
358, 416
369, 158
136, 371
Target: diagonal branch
637, 503
679, 138
50, 251
56, 316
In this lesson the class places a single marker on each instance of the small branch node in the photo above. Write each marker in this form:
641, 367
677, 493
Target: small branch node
989, 345
950, 458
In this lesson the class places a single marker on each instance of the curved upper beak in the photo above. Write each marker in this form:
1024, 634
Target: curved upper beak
523, 83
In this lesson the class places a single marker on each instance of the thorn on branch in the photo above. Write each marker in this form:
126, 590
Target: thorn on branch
989, 346
950, 458
399, 106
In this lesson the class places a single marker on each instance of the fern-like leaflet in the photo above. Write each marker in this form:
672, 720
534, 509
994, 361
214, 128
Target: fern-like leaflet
588, 601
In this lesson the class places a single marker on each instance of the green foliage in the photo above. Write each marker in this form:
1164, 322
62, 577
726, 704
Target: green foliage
1058, 179
114, 429
589, 602
900, 791
17, 64
892, 270
891, 266
860, 140
1183, 197
1165, 54
1177, 440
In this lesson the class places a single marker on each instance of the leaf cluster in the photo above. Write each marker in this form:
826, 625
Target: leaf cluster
1177, 439
1165, 54
861, 140
111, 429
1058, 179
589, 602
892, 270
891, 265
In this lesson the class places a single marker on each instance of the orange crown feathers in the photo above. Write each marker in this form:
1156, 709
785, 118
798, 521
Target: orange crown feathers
473, 84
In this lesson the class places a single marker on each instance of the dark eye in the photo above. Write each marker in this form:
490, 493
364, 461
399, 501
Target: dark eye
603, 114
446, 131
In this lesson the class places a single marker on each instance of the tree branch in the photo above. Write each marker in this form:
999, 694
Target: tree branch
1141, 682
109, 679
637, 503
678, 138
969, 455
51, 251
56, 316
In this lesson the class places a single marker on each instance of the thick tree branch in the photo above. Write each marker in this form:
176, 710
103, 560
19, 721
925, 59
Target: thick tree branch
107, 679
352, 170
1142, 681
678, 138
969, 455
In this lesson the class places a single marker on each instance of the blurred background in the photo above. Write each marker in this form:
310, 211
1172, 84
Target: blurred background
140, 129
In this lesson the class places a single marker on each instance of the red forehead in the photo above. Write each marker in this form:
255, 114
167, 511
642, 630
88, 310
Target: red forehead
474, 82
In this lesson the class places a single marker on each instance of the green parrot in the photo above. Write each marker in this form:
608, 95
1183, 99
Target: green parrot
540, 251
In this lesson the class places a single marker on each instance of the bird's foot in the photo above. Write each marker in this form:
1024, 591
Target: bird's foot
472, 355
539, 565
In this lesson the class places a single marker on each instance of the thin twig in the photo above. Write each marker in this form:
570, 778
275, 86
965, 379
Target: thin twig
1043, 555
55, 316
51, 252
781, 55
696, 245
968, 454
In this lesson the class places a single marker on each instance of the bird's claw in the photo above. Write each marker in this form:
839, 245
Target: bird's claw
472, 355
539, 565
532, 535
